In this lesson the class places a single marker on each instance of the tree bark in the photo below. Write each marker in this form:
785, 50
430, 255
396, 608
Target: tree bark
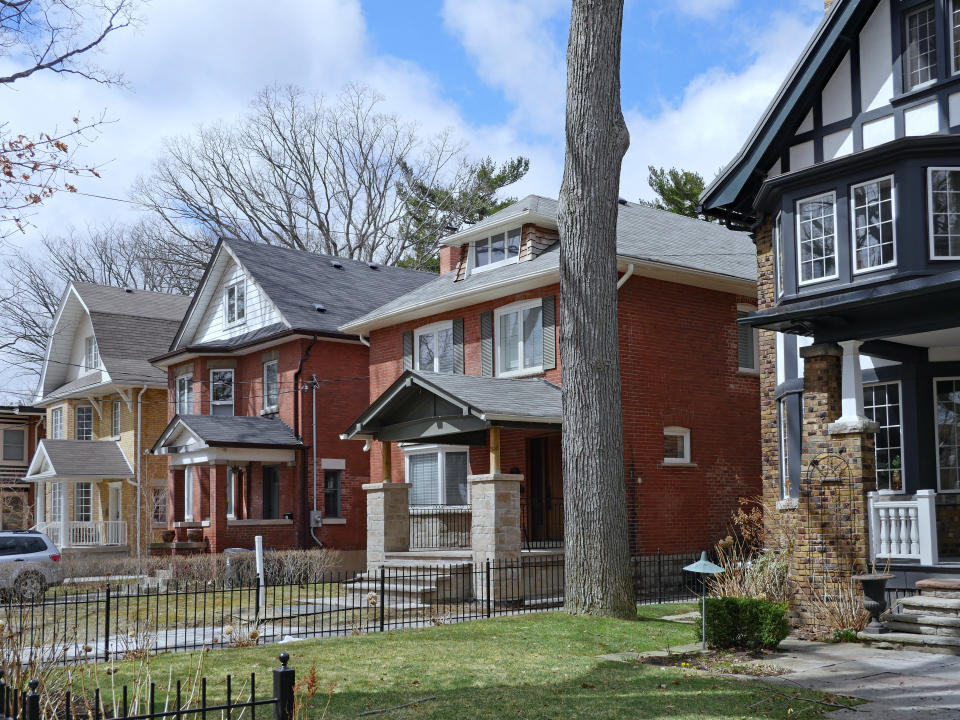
598, 577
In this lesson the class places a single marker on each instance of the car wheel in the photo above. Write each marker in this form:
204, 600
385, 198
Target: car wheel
30, 585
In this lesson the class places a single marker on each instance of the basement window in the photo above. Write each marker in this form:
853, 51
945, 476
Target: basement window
676, 446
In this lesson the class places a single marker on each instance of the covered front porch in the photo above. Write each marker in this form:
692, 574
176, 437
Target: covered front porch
469, 469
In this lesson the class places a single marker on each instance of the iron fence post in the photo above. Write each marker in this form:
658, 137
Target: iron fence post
487, 582
106, 628
383, 596
32, 709
256, 602
659, 577
284, 679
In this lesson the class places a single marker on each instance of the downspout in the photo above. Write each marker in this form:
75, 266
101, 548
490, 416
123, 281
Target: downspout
626, 276
296, 420
139, 476
364, 340
313, 447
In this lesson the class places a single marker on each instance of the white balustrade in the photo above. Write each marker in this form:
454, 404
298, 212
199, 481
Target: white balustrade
86, 534
904, 527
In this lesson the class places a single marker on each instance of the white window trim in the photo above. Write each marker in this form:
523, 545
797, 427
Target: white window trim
115, 418
428, 330
441, 451
227, 323
266, 407
903, 473
472, 256
935, 419
233, 389
53, 411
57, 499
677, 431
188, 494
796, 237
188, 390
755, 370
777, 254
930, 171
517, 307
853, 225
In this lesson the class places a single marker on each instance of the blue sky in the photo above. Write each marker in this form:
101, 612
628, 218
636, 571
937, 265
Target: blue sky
696, 74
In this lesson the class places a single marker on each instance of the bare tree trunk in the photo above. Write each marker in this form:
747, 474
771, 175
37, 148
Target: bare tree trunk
598, 577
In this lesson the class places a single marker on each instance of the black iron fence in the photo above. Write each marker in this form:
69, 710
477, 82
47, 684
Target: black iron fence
144, 703
440, 527
128, 620
541, 522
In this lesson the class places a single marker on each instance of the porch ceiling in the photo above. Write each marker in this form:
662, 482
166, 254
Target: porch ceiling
429, 406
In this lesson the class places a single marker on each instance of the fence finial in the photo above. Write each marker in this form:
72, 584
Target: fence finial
33, 685
284, 659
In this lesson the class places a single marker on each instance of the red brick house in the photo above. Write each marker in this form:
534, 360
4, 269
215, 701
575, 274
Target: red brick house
465, 378
21, 429
257, 358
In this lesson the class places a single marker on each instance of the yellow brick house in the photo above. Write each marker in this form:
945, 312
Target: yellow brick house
96, 489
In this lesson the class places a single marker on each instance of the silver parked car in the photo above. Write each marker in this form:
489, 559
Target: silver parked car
29, 564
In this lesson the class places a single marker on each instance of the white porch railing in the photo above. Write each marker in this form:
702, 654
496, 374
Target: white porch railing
85, 534
903, 527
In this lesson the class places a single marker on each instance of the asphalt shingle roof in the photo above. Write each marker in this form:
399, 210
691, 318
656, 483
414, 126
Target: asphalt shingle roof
84, 458
499, 397
235, 430
296, 281
643, 233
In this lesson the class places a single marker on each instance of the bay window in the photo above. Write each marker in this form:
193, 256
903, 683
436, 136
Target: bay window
519, 333
434, 348
817, 238
221, 392
874, 244
943, 189
496, 250
438, 475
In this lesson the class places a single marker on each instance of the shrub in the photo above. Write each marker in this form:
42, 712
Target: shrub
745, 623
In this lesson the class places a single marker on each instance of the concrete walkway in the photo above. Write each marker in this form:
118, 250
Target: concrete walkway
898, 683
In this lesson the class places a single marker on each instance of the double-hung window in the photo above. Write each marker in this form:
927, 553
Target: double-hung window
817, 238
434, 348
56, 502
783, 446
84, 430
83, 502
14, 445
159, 506
519, 331
874, 235
185, 395
332, 488
115, 419
747, 355
947, 392
881, 403
943, 188
56, 424
271, 389
438, 475
235, 303
221, 392
920, 53
91, 354
496, 250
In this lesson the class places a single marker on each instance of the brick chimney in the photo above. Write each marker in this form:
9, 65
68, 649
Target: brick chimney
449, 257
827, 4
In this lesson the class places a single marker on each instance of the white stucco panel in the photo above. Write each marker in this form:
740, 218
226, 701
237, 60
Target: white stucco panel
876, 59
838, 94
922, 119
876, 132
807, 124
801, 155
837, 144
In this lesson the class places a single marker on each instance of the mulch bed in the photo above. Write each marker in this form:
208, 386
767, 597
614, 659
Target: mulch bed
736, 662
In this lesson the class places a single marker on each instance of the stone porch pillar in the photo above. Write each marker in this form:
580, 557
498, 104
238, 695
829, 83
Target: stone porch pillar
838, 470
495, 505
388, 521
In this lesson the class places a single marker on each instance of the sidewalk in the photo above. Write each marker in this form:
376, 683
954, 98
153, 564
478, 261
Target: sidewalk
898, 683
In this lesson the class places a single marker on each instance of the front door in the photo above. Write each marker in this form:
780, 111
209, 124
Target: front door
544, 501
271, 493
114, 505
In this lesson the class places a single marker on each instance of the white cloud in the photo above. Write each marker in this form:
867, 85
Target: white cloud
718, 110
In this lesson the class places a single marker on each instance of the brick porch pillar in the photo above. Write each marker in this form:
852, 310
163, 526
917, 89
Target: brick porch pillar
838, 461
495, 506
388, 521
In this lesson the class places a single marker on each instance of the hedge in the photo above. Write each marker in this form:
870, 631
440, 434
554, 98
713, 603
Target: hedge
745, 623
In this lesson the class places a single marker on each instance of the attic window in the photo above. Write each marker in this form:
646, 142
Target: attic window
496, 250
91, 354
235, 303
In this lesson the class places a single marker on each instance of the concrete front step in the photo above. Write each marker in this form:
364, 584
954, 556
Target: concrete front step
940, 587
912, 641
923, 624
930, 605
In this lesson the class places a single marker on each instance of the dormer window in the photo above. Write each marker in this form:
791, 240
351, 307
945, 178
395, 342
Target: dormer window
496, 250
91, 354
920, 55
235, 303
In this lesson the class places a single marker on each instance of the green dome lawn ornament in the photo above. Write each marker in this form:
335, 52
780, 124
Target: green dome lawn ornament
704, 567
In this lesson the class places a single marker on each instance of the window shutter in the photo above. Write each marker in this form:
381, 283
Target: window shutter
548, 316
408, 350
486, 343
458, 368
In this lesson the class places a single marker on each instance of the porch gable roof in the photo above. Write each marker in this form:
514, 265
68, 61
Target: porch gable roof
206, 431
430, 405
78, 460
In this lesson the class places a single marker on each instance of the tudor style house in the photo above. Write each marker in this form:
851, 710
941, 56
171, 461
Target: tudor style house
262, 382
21, 428
465, 378
105, 405
851, 186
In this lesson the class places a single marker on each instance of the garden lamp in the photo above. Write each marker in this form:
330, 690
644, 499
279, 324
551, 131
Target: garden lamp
704, 567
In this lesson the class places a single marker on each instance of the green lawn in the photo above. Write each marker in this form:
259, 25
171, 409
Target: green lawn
533, 666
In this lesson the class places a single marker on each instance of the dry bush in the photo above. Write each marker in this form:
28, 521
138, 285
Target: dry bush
838, 604
92, 565
283, 567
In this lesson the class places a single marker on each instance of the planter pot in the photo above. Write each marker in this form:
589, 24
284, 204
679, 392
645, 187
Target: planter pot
874, 598
168, 535
194, 534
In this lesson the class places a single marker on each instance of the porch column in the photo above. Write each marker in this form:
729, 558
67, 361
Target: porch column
40, 492
66, 511
388, 521
852, 418
386, 462
495, 537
